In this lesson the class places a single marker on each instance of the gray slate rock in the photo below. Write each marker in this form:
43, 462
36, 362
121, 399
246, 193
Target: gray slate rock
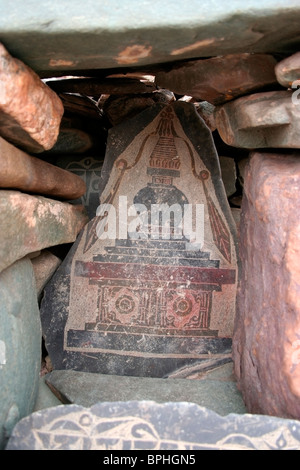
151, 426
86, 389
20, 345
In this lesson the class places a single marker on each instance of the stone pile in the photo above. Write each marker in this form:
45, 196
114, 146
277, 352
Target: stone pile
53, 135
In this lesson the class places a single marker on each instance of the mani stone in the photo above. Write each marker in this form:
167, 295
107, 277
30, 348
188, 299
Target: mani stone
220, 79
138, 295
288, 70
20, 345
146, 425
260, 120
19, 170
266, 345
30, 112
32, 223
88, 168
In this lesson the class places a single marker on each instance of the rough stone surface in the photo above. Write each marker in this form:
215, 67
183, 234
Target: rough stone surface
71, 140
103, 35
89, 169
19, 170
260, 120
30, 112
206, 111
150, 426
266, 348
44, 266
215, 80
288, 70
31, 223
87, 389
140, 303
228, 172
20, 345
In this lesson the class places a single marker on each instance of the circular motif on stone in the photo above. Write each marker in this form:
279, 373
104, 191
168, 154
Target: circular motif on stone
204, 174
182, 306
125, 304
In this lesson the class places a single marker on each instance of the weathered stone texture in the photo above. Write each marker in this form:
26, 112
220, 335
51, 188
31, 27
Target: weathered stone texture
288, 70
44, 266
228, 173
216, 80
71, 140
98, 35
266, 346
119, 108
30, 112
147, 425
89, 169
31, 223
20, 345
19, 170
97, 86
260, 120
219, 394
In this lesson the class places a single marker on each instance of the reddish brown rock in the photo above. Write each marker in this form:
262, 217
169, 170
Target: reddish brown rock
30, 112
261, 120
266, 343
30, 174
216, 80
288, 70
31, 223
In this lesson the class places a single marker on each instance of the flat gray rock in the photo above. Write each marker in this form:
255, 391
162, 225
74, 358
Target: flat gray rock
20, 345
50, 37
86, 389
147, 425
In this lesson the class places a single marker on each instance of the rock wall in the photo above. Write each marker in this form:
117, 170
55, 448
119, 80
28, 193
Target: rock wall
53, 135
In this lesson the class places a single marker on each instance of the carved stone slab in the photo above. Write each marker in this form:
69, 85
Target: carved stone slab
151, 295
147, 425
20, 345
89, 169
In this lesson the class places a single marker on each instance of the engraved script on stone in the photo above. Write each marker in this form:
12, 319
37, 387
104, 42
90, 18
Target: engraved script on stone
148, 299
151, 426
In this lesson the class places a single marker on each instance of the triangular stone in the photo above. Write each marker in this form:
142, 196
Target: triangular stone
143, 300
86, 389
